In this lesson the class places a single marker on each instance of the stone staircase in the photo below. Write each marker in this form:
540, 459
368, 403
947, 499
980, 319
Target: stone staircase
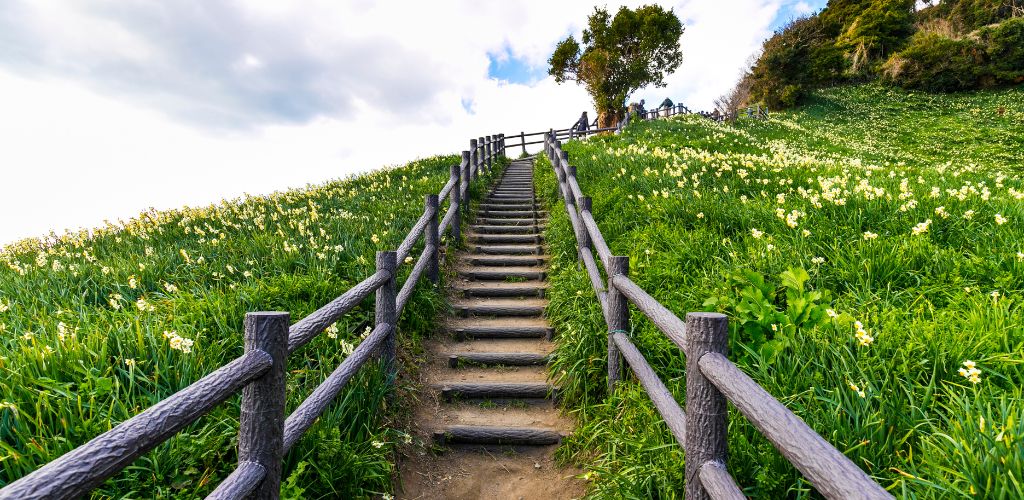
500, 339
488, 405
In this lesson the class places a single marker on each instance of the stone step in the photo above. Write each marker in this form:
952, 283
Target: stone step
500, 229
500, 307
503, 289
511, 221
505, 238
520, 328
504, 260
496, 359
506, 249
497, 390
510, 214
488, 435
502, 273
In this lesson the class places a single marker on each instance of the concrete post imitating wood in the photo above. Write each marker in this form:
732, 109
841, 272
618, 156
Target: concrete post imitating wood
618, 318
582, 236
384, 312
456, 230
261, 425
706, 412
431, 239
489, 147
474, 158
522, 138
467, 168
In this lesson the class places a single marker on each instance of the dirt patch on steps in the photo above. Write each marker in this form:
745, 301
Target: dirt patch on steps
474, 472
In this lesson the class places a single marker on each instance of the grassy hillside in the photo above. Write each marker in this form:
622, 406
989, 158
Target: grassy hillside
97, 327
868, 250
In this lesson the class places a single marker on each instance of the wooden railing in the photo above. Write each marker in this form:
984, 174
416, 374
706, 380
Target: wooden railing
264, 434
711, 379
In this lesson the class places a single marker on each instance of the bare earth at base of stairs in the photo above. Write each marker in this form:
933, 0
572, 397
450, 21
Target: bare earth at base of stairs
486, 405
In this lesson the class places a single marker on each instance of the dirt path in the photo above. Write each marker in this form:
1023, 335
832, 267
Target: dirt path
487, 404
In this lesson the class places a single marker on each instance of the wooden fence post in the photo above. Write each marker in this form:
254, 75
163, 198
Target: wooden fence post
261, 424
431, 238
467, 164
384, 312
490, 151
618, 318
473, 160
522, 138
456, 194
582, 236
706, 412
481, 158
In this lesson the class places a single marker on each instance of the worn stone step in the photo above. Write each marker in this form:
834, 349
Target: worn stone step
500, 229
511, 221
505, 238
487, 435
500, 307
507, 331
500, 273
506, 249
504, 260
497, 390
510, 214
458, 359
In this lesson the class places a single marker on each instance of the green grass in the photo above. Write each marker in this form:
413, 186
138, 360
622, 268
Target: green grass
86, 322
701, 210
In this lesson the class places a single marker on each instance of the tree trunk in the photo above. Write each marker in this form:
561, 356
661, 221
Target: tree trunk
608, 118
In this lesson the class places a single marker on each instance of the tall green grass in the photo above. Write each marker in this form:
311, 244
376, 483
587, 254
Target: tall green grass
900, 211
95, 327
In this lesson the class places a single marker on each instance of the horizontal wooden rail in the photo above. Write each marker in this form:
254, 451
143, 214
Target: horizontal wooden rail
414, 235
832, 473
314, 405
662, 398
241, 483
414, 277
78, 471
718, 483
300, 333
666, 320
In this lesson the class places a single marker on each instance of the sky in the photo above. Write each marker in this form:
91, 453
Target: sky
110, 107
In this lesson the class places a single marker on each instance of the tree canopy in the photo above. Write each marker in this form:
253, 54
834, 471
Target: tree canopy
620, 55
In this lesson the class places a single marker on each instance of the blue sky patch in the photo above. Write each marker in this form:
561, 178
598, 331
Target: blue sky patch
513, 70
792, 10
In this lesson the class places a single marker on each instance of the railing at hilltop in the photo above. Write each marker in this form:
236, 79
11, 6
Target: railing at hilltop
711, 379
265, 435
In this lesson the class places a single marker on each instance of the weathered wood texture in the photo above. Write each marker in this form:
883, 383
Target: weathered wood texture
447, 189
239, 484
617, 318
414, 276
596, 237
831, 473
468, 434
662, 398
83, 468
706, 408
309, 327
414, 234
718, 483
432, 240
261, 423
496, 358
496, 390
384, 312
310, 409
666, 320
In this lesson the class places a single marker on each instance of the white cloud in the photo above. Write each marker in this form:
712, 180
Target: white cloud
110, 107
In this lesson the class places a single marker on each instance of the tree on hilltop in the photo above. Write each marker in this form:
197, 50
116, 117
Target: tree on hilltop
619, 56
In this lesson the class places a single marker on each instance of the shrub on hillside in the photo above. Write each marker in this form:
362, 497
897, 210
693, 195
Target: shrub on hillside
879, 30
1004, 46
798, 56
935, 63
969, 15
